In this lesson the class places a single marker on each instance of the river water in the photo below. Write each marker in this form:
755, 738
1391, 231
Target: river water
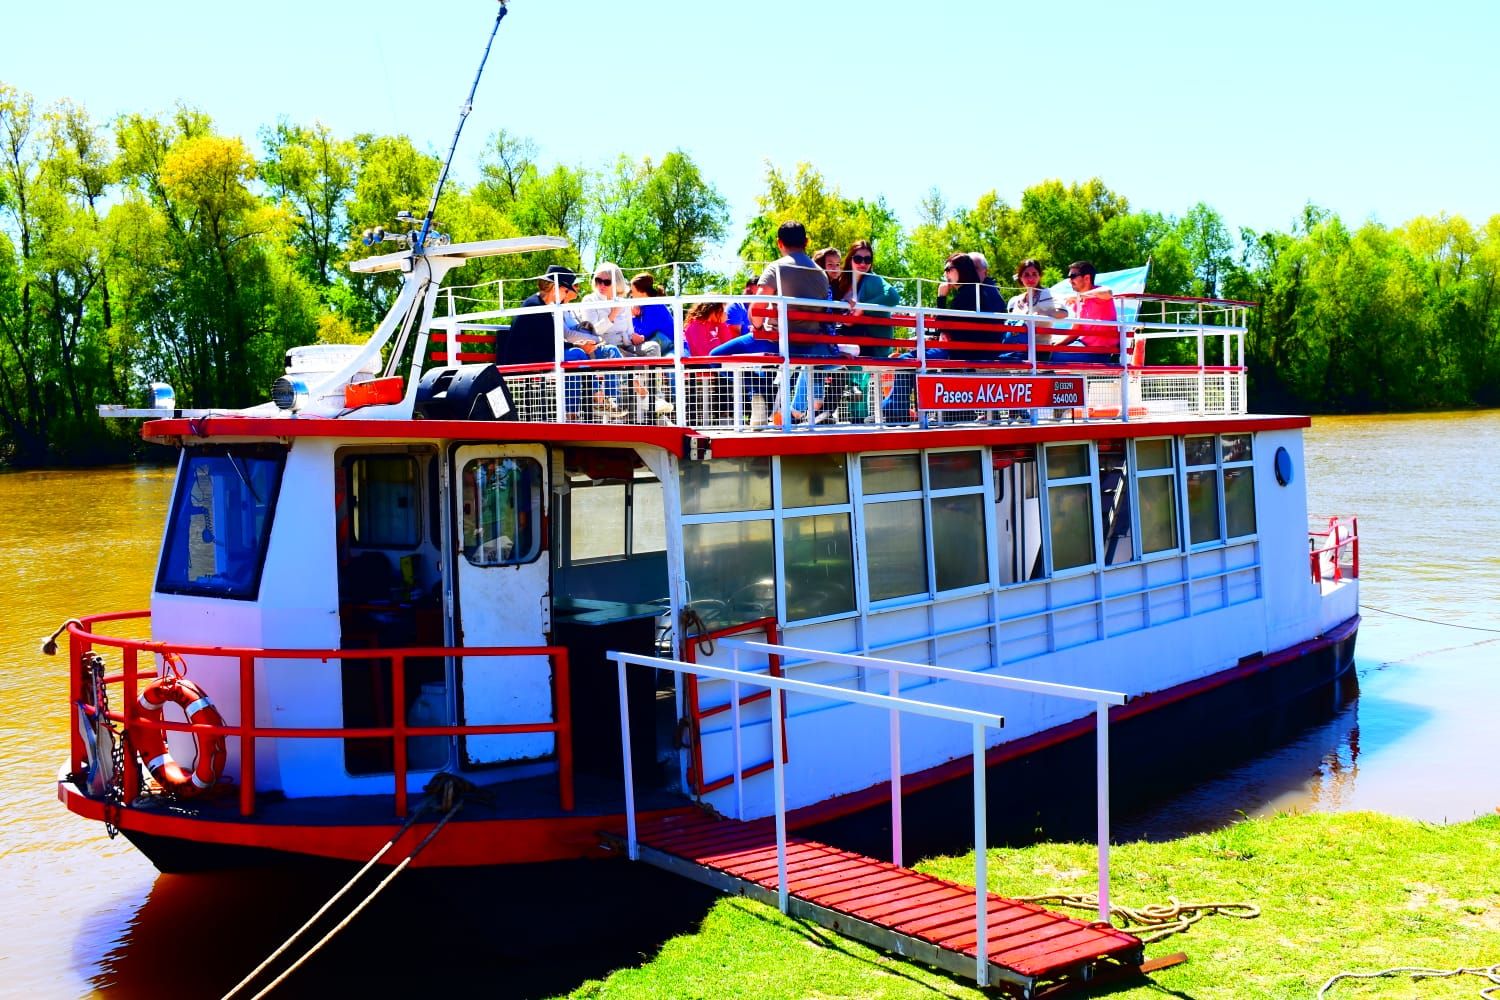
84, 914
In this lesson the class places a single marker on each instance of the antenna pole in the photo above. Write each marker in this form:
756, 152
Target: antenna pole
463, 115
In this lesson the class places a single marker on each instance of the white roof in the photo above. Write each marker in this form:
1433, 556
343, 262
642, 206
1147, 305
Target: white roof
462, 251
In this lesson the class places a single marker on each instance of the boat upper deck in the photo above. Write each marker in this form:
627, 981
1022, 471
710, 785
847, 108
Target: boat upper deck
455, 368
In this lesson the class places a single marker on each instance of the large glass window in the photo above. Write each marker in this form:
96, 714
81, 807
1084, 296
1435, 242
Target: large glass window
819, 566
814, 480
1202, 488
731, 570
896, 549
1070, 506
726, 484
1239, 485
502, 508
220, 524
958, 541
596, 518
1156, 489
384, 495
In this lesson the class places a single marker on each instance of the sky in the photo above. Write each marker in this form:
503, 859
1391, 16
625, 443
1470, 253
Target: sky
1373, 110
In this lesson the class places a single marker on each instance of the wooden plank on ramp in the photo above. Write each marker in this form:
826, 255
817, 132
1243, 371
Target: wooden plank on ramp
895, 909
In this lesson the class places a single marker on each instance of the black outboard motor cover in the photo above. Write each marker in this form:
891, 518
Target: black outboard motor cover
464, 392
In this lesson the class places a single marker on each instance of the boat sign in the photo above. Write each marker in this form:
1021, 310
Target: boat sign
1008, 392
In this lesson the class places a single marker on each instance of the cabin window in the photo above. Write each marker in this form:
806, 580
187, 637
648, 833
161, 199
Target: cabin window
819, 566
814, 480
648, 519
220, 523
1201, 459
1156, 491
817, 541
731, 570
956, 513
502, 504
596, 514
385, 500
1070, 506
895, 526
1239, 485
726, 484
1114, 503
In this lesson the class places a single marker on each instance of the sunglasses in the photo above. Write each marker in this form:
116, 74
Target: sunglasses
606, 280
862, 260
1076, 274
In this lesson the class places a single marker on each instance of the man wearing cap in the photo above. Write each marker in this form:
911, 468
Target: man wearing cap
531, 339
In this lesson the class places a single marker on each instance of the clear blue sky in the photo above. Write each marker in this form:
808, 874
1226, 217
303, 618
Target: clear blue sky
1374, 110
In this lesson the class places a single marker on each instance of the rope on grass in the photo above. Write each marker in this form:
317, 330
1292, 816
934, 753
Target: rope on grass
1490, 972
1157, 920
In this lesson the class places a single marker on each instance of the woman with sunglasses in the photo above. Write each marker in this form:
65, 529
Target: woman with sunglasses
601, 325
860, 284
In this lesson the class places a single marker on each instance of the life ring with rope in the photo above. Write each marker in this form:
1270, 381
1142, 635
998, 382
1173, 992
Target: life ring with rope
151, 742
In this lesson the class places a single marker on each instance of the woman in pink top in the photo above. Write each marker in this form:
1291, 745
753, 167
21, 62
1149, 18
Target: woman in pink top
1092, 302
706, 329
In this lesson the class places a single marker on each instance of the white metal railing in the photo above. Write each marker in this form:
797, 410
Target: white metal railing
896, 669
978, 721
766, 389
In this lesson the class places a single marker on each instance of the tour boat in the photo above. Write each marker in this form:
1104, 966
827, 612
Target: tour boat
414, 561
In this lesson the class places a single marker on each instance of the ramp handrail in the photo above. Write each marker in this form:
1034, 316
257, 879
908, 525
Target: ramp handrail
895, 669
979, 721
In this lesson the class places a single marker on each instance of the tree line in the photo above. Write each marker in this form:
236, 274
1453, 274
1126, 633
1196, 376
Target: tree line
156, 248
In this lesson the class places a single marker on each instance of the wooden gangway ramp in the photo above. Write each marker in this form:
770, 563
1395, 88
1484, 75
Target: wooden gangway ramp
917, 916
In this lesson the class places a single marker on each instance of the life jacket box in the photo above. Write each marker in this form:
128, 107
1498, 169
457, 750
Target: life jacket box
464, 392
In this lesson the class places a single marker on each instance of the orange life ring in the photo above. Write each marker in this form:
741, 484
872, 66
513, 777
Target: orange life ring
151, 742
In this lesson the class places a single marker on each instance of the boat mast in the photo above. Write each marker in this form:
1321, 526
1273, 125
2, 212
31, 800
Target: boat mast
463, 115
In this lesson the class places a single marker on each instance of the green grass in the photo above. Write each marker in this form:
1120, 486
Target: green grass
1345, 892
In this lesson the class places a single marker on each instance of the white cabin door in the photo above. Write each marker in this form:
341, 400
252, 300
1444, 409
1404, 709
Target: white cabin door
500, 524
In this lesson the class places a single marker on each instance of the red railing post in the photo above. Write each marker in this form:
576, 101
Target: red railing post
564, 724
1333, 548
76, 685
131, 780
1354, 545
247, 735
398, 727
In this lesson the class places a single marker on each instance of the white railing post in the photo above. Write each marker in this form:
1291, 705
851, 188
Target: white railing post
561, 399
981, 864
452, 330
784, 345
896, 837
734, 728
778, 772
1101, 724
633, 850
679, 376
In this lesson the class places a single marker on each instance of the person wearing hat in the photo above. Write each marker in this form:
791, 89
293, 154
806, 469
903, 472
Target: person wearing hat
531, 339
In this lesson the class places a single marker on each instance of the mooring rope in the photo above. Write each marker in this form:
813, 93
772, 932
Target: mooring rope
1490, 972
1428, 621
443, 794
1159, 920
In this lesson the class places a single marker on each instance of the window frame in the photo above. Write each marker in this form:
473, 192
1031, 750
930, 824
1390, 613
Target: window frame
180, 495
537, 528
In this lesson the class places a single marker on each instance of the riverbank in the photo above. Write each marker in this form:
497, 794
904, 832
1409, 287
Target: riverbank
1337, 892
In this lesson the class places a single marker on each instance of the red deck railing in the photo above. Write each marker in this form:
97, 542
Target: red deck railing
696, 713
1339, 548
83, 639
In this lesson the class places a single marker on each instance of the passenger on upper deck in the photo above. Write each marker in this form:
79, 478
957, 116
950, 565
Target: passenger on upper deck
1033, 299
1089, 301
531, 339
860, 284
651, 320
962, 289
990, 299
610, 319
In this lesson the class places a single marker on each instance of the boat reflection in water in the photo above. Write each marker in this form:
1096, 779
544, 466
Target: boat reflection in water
435, 929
